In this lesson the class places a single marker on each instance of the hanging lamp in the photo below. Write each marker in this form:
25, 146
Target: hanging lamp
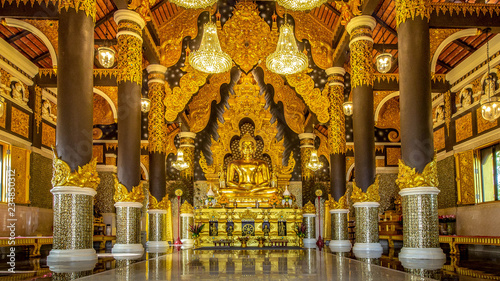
210, 58
194, 4
287, 59
301, 5
314, 164
384, 60
180, 164
490, 107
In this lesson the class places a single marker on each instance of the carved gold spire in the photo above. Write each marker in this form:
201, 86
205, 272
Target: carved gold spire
186, 208
309, 208
408, 177
371, 194
123, 195
85, 176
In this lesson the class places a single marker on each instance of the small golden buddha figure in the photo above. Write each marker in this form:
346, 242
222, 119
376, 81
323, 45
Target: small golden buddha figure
253, 174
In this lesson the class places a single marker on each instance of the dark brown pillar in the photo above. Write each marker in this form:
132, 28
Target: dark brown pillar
129, 194
418, 188
74, 191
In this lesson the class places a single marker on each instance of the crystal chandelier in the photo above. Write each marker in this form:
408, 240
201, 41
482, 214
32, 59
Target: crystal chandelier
384, 60
490, 107
287, 59
348, 108
301, 5
106, 56
194, 4
210, 58
180, 164
314, 164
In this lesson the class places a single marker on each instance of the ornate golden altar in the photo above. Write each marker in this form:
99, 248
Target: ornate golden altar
243, 220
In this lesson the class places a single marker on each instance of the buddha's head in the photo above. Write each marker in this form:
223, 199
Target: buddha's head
247, 146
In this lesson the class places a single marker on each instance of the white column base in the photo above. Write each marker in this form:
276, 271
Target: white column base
58, 256
71, 266
187, 243
422, 263
127, 248
150, 245
340, 246
309, 243
422, 253
367, 250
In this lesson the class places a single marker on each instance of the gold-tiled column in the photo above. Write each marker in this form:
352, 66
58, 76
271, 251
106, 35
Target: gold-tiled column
367, 241
309, 219
187, 219
157, 229
306, 146
340, 236
128, 227
187, 146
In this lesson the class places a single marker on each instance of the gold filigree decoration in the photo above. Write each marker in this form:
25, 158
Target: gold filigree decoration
371, 194
20, 122
201, 104
170, 143
38, 108
408, 177
465, 177
437, 36
309, 208
142, 7
337, 205
164, 204
294, 108
316, 100
156, 131
185, 24
48, 135
5, 77
288, 169
123, 195
305, 155
175, 100
447, 111
189, 158
129, 59
411, 9
87, 6
336, 130
361, 63
85, 176
186, 208
204, 166
246, 37
48, 28
324, 146
474, 9
348, 10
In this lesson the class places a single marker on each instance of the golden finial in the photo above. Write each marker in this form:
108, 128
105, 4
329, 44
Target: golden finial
309, 208
187, 208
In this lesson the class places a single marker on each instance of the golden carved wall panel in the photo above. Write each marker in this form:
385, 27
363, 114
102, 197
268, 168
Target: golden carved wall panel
463, 127
48, 135
439, 139
20, 122
185, 24
246, 37
464, 162
316, 100
20, 163
324, 146
103, 115
201, 104
170, 144
248, 103
393, 154
98, 153
294, 108
483, 124
437, 36
2, 118
389, 117
111, 92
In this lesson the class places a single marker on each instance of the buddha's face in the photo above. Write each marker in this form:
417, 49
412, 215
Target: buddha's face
247, 148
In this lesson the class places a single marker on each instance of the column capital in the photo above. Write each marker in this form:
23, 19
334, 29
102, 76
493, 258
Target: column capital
156, 68
128, 15
129, 23
307, 140
156, 73
335, 71
361, 21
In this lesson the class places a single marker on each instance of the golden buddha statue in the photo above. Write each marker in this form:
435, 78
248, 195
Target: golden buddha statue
253, 174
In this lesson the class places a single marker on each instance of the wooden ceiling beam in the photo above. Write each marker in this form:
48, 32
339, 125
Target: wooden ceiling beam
464, 45
105, 18
385, 25
331, 8
445, 65
17, 36
40, 57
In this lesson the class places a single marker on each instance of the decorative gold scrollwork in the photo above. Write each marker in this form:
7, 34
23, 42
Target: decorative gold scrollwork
336, 131
123, 195
371, 194
408, 177
164, 204
156, 136
129, 59
87, 6
309, 208
85, 176
187, 208
410, 9
341, 204
361, 63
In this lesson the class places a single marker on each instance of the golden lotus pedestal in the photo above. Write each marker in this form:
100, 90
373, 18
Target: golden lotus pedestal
222, 224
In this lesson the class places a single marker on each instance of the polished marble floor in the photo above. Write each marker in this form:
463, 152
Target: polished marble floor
248, 264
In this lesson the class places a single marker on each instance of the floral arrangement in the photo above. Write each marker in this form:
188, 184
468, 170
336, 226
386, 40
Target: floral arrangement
274, 200
196, 229
447, 218
300, 229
